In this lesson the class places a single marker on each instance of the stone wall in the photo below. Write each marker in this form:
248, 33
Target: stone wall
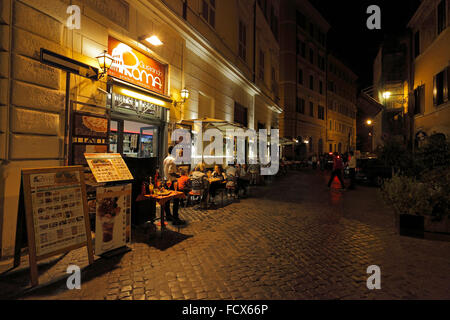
32, 95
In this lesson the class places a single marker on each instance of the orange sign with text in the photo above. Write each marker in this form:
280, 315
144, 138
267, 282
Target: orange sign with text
132, 66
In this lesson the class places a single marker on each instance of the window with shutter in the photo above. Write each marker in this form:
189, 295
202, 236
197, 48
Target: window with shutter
300, 76
209, 11
440, 88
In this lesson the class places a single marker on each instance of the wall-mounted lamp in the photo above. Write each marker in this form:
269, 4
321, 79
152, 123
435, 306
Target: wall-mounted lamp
184, 96
104, 61
154, 40
387, 94
369, 122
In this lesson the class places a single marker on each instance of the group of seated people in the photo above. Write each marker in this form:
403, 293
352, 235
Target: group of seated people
234, 179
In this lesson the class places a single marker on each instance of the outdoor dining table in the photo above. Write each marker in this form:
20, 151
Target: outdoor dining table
162, 200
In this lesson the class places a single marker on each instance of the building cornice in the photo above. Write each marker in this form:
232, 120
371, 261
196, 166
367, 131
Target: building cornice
200, 45
422, 12
314, 14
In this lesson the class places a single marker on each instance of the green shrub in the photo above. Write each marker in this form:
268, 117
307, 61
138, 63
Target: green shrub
438, 183
435, 153
428, 196
406, 195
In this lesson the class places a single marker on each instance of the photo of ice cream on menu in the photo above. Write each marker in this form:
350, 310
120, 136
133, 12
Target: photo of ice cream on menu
111, 220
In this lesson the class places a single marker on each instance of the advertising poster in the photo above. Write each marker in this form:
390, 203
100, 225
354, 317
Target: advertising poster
113, 219
108, 167
90, 126
57, 210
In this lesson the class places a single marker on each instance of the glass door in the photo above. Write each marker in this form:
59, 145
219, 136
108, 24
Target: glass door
148, 142
134, 139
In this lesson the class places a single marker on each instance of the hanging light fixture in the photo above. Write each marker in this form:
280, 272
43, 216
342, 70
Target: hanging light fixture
104, 61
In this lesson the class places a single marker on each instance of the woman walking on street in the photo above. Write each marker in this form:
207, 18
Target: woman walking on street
338, 166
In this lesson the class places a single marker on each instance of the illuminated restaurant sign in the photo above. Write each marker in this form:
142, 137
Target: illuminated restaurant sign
132, 66
138, 106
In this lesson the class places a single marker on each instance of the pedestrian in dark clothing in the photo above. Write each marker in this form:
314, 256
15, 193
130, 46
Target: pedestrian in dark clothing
338, 166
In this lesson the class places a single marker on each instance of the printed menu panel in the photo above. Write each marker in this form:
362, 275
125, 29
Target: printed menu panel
113, 219
108, 167
57, 210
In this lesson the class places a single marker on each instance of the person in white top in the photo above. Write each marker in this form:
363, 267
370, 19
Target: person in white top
170, 174
352, 167
170, 168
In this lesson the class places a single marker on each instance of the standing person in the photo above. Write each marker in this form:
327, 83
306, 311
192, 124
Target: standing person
338, 166
314, 161
352, 167
170, 174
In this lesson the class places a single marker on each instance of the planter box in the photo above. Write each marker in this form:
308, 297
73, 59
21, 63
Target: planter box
424, 227
411, 225
442, 226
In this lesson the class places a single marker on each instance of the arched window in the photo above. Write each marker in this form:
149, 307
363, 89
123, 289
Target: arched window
340, 147
311, 146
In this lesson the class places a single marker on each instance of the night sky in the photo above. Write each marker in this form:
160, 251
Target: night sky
349, 37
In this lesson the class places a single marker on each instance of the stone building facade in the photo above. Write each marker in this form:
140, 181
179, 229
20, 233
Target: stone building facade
204, 50
430, 83
303, 76
341, 107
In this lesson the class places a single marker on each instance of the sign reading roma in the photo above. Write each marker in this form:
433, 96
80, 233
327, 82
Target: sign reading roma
134, 67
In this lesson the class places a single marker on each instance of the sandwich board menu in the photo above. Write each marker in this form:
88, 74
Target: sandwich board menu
113, 218
108, 167
56, 213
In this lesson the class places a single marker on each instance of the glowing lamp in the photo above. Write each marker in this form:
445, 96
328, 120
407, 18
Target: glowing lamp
104, 61
154, 40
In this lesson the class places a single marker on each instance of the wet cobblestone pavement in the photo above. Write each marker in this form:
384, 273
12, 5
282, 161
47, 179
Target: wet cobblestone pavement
294, 239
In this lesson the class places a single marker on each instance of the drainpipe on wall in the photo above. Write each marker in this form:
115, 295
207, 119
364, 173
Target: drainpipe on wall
7, 129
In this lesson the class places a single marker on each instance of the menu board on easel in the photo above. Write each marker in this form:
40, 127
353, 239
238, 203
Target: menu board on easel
56, 213
108, 167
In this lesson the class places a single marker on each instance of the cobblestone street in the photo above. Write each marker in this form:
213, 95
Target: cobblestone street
294, 239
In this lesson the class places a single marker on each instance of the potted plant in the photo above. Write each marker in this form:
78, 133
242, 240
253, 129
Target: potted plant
438, 183
410, 200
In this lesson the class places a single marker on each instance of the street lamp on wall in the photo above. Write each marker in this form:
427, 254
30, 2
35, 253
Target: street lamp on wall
184, 94
369, 123
387, 94
104, 61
